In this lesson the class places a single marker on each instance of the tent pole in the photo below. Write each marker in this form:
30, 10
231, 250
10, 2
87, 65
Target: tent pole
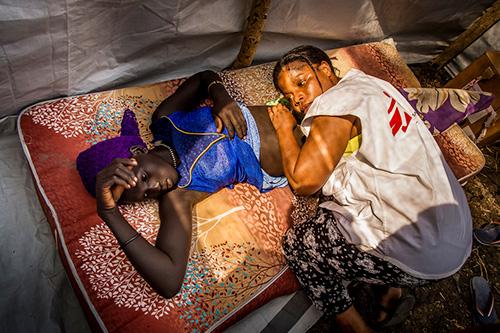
253, 33
476, 29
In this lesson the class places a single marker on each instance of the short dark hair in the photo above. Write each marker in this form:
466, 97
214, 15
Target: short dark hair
311, 55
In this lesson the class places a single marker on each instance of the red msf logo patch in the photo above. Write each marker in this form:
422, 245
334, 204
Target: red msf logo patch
398, 120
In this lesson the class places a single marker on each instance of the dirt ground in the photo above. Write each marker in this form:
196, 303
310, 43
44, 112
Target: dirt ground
445, 306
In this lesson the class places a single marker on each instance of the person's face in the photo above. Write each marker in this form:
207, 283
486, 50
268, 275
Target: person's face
301, 86
155, 177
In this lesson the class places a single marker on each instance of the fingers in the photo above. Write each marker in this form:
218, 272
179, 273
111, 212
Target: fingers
228, 125
127, 175
116, 180
281, 117
219, 124
238, 123
113, 180
117, 192
231, 117
271, 111
277, 110
119, 172
125, 161
280, 108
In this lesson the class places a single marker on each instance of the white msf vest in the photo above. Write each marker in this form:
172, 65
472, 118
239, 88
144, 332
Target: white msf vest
395, 197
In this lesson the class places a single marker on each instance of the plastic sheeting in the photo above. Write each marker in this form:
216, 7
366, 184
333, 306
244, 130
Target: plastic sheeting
490, 40
36, 295
53, 48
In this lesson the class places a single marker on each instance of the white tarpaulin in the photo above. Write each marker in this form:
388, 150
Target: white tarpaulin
53, 48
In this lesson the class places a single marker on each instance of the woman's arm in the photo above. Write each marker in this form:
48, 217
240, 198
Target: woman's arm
163, 265
195, 89
308, 168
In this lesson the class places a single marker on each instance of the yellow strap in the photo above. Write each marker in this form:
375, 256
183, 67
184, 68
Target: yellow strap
352, 145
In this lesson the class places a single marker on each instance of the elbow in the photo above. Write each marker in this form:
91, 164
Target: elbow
304, 192
168, 290
304, 189
206, 72
206, 76
168, 293
158, 112
305, 182
167, 284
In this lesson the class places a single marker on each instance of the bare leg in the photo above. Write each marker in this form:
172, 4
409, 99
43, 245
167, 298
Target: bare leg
351, 321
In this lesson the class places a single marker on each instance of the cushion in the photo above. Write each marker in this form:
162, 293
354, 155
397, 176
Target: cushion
440, 108
236, 261
461, 154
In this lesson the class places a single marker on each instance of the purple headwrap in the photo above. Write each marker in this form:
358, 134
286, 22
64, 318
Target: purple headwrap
92, 160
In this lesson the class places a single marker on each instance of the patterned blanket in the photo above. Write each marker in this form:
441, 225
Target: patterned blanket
236, 261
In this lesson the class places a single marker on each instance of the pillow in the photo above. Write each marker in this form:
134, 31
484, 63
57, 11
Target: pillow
440, 108
461, 154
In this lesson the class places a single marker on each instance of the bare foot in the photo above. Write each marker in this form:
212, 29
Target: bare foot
388, 301
351, 321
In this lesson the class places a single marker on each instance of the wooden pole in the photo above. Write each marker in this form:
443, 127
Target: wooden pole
476, 29
253, 33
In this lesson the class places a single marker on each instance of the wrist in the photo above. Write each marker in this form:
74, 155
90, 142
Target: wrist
285, 130
219, 95
106, 213
216, 87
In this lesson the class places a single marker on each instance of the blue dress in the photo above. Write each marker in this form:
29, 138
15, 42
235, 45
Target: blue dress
209, 161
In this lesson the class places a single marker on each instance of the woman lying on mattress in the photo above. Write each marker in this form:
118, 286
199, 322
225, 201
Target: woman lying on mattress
193, 157
392, 213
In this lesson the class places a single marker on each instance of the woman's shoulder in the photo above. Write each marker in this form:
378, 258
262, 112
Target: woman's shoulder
354, 81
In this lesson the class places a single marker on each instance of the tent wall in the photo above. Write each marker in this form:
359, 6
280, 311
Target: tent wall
490, 40
53, 48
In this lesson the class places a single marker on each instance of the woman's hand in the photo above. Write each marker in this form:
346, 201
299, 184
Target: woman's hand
227, 113
281, 118
112, 181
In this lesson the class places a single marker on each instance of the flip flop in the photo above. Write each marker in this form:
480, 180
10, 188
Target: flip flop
397, 315
483, 310
366, 302
488, 234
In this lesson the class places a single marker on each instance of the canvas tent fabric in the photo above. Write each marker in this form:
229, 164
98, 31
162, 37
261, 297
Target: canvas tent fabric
36, 295
54, 48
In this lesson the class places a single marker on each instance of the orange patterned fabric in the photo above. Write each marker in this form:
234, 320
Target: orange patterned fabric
236, 259
236, 249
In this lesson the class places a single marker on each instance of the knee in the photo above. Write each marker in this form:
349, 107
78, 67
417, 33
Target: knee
299, 240
289, 244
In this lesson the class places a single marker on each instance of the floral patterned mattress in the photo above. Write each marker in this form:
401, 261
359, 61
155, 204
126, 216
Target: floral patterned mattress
236, 261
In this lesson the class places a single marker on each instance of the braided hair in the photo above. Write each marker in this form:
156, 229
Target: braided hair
311, 55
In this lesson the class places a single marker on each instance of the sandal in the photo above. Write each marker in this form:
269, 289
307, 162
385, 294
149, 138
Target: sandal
366, 299
398, 314
488, 234
483, 310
